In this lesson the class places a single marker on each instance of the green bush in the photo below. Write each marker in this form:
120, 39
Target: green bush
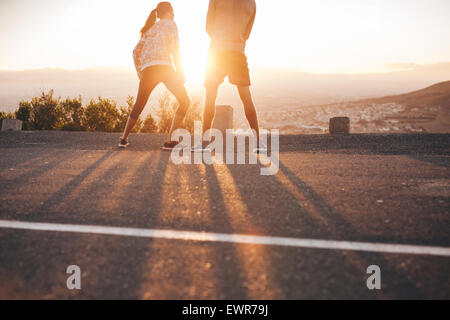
193, 114
101, 115
167, 106
24, 113
49, 113
150, 125
73, 115
4, 115
46, 112
166, 111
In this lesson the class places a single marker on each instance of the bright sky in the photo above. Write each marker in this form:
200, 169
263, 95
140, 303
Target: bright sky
323, 36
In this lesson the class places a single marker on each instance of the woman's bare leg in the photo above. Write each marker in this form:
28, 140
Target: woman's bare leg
146, 87
179, 91
130, 125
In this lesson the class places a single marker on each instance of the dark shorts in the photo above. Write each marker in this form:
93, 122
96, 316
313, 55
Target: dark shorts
227, 63
153, 76
161, 73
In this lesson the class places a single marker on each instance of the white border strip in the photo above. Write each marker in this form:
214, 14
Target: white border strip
230, 238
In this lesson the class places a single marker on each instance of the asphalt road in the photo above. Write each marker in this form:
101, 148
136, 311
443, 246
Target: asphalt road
366, 188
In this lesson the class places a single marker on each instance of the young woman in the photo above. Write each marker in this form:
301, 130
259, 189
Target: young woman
154, 56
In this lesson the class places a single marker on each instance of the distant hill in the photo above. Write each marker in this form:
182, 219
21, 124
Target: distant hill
435, 95
422, 111
272, 88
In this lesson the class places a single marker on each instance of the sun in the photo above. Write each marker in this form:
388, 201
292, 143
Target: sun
194, 66
194, 43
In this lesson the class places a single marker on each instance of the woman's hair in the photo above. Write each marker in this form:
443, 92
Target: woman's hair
162, 9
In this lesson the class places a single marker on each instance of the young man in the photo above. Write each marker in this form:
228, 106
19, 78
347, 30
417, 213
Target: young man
229, 24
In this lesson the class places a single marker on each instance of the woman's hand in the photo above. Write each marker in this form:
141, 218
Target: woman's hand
178, 61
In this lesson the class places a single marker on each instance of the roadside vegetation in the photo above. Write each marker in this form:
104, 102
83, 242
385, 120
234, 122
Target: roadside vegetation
47, 112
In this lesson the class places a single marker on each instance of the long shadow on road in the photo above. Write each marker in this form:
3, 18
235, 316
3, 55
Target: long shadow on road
337, 226
230, 275
126, 261
43, 166
59, 197
112, 267
10, 158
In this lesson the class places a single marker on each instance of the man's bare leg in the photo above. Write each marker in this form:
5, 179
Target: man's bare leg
249, 108
210, 106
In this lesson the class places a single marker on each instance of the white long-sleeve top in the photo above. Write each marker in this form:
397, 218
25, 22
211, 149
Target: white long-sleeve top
157, 46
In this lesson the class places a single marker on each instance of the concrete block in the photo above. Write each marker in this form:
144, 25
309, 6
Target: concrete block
11, 124
340, 125
223, 119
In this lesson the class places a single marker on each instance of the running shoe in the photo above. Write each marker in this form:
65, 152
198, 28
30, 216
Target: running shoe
200, 148
123, 143
169, 146
262, 148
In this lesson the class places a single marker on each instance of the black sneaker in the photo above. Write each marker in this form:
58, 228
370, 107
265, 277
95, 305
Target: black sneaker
169, 146
123, 143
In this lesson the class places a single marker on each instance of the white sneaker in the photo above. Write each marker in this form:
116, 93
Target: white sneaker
199, 148
261, 148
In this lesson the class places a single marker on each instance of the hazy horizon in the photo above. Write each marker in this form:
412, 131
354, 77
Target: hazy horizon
390, 68
272, 87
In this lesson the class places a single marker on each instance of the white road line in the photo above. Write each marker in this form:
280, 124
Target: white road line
230, 238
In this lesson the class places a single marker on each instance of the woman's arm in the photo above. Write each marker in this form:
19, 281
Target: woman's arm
137, 53
178, 61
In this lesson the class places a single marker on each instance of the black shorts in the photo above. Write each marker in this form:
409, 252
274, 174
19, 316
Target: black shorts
227, 63
161, 73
